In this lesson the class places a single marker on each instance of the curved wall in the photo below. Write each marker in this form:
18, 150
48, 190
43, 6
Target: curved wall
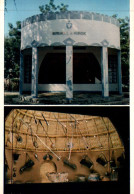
70, 28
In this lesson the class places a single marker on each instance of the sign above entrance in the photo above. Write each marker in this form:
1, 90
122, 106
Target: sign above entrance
69, 25
68, 33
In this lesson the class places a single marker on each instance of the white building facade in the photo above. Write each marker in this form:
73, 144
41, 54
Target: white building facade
70, 51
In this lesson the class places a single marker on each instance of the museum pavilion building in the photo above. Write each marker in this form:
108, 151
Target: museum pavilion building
70, 51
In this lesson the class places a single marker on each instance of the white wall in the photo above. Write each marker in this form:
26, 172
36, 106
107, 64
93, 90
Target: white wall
76, 87
96, 32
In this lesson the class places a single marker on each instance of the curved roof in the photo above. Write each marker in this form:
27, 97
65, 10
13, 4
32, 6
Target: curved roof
70, 15
60, 131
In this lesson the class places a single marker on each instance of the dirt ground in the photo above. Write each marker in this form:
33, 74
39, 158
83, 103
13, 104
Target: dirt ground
80, 98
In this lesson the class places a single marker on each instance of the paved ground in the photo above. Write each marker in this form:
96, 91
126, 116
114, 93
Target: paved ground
85, 98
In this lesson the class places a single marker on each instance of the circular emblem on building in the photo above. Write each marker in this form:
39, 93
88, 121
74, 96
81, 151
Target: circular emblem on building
69, 25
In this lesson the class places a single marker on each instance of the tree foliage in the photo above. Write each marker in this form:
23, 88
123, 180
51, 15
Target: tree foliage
51, 7
124, 36
124, 40
12, 51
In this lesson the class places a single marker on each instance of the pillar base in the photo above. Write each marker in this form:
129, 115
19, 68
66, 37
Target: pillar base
34, 100
69, 100
106, 97
34, 96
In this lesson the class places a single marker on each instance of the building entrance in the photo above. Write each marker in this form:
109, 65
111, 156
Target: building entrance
86, 69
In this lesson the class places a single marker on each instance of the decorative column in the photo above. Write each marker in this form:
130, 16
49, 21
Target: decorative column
69, 72
119, 73
21, 73
34, 89
104, 71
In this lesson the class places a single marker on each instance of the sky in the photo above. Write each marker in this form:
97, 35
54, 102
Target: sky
27, 8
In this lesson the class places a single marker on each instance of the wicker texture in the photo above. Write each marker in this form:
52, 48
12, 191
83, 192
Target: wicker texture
59, 131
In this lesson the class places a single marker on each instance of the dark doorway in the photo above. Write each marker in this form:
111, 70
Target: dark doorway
86, 68
53, 69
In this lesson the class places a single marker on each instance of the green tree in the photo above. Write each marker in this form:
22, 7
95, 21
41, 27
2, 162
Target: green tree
51, 7
124, 37
12, 52
124, 40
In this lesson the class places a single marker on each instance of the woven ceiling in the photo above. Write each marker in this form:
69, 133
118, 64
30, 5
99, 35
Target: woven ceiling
29, 129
